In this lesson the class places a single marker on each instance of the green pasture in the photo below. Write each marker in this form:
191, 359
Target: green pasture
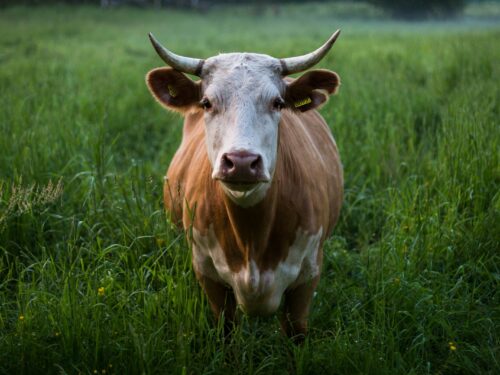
94, 280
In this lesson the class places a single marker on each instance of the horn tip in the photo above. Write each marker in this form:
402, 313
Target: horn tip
335, 35
155, 43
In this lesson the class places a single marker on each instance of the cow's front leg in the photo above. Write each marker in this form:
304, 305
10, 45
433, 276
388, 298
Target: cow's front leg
221, 299
296, 310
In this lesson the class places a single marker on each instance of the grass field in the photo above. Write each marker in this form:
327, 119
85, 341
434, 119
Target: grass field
94, 280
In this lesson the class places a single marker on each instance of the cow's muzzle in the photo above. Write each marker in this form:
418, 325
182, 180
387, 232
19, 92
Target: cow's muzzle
241, 168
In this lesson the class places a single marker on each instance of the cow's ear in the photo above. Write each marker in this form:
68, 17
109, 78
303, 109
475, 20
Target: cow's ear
173, 89
311, 90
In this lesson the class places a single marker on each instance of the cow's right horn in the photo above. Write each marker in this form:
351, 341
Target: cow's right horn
180, 63
297, 64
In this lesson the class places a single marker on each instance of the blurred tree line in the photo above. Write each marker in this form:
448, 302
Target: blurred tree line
397, 8
421, 8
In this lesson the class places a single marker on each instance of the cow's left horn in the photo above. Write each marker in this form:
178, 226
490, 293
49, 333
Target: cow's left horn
180, 63
297, 64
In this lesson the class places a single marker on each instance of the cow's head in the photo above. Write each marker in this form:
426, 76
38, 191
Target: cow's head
242, 96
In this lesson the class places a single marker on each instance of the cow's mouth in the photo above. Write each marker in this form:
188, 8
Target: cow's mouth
245, 193
243, 186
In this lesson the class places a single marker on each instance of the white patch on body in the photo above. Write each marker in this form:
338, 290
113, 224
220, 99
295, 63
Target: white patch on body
258, 292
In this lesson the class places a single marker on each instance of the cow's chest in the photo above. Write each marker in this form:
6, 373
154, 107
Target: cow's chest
258, 291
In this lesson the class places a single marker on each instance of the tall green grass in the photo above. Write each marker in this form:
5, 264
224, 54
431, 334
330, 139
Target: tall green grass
93, 279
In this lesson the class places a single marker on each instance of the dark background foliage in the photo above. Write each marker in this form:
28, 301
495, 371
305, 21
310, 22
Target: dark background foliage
421, 8
409, 9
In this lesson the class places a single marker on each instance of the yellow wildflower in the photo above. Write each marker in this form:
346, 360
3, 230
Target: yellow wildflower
452, 345
100, 291
21, 317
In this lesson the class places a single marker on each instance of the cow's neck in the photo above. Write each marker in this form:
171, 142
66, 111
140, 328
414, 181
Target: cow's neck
252, 226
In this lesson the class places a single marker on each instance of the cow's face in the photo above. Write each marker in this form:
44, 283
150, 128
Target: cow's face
242, 96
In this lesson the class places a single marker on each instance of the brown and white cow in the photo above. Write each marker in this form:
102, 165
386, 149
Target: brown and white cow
257, 177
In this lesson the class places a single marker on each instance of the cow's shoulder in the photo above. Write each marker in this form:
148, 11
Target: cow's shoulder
309, 172
188, 169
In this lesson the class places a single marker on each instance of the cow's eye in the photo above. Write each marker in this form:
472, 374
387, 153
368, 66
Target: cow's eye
278, 104
205, 103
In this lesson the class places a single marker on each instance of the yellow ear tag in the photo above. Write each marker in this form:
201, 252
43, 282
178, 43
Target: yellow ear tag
302, 103
172, 91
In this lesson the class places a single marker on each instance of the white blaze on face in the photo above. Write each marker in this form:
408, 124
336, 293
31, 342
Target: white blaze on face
242, 89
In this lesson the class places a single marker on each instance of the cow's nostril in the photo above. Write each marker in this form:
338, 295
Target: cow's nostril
255, 164
228, 163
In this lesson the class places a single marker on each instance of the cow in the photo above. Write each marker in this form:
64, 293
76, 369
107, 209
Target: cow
257, 181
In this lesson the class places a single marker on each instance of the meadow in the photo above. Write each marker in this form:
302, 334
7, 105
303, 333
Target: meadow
94, 279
